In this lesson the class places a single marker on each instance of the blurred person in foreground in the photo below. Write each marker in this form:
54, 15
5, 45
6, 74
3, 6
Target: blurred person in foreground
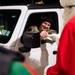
13, 63
65, 62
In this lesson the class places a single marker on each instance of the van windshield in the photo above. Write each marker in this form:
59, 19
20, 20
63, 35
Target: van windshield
8, 20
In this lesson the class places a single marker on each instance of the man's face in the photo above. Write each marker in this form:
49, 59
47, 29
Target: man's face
45, 26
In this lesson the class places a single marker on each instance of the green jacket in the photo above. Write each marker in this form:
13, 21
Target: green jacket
17, 68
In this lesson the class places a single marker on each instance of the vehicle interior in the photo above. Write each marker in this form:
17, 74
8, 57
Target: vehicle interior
36, 19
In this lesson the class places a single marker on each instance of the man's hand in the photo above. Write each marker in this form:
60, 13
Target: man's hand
43, 34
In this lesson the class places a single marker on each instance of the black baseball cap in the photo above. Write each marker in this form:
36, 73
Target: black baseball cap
48, 19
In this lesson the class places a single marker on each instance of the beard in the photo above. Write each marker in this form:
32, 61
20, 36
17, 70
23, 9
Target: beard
65, 3
68, 14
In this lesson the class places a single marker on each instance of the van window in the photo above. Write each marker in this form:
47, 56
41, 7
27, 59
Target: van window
35, 19
8, 20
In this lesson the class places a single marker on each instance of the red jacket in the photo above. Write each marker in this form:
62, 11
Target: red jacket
65, 62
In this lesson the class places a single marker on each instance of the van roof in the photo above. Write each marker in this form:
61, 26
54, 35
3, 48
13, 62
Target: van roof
36, 6
43, 6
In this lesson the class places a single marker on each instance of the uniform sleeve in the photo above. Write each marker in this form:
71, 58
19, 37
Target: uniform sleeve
16, 68
52, 34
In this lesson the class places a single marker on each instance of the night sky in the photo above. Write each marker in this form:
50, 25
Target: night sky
27, 1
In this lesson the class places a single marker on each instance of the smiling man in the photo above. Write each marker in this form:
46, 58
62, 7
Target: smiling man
44, 29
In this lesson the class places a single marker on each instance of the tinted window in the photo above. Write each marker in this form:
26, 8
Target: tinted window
8, 20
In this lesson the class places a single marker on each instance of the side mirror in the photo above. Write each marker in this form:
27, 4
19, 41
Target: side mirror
30, 40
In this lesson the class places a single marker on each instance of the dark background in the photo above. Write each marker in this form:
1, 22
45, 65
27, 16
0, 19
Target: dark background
10, 2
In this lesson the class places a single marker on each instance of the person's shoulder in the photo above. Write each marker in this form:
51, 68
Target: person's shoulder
33, 28
52, 31
16, 68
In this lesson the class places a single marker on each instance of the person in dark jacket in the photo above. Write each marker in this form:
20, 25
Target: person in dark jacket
44, 30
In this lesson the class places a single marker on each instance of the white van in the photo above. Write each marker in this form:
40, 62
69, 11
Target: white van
15, 19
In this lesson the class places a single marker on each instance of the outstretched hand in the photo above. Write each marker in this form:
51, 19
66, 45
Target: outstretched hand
44, 34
